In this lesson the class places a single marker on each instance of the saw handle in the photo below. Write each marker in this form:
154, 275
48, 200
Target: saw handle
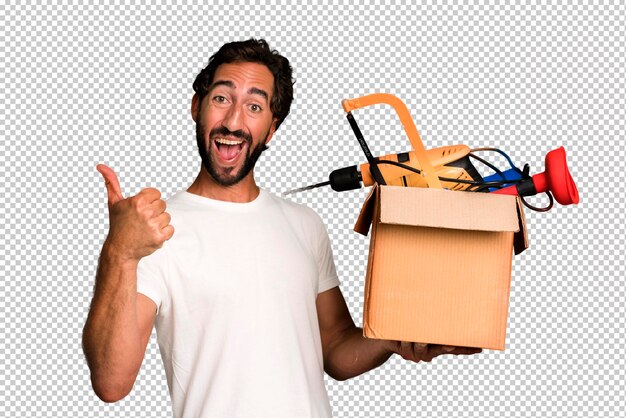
428, 171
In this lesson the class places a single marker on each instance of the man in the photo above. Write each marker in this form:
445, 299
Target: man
244, 295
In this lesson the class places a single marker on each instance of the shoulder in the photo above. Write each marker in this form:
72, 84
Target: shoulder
297, 212
304, 222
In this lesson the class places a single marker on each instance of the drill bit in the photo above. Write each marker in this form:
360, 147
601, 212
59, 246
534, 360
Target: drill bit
302, 189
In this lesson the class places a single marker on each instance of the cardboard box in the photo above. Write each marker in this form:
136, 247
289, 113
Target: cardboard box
439, 267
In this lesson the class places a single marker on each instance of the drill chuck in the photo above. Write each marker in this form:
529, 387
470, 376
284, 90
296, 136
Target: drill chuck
347, 178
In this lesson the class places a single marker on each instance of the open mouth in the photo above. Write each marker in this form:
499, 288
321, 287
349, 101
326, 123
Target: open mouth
228, 149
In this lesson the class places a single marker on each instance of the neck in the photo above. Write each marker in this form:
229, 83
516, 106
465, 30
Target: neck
243, 192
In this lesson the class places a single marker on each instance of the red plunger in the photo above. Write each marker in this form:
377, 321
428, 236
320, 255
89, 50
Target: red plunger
556, 179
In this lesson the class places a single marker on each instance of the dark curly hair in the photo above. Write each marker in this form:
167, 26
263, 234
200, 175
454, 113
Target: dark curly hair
258, 51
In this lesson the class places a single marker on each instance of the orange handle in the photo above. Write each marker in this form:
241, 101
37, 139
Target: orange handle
428, 171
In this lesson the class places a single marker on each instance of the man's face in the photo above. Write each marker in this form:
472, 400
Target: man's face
234, 120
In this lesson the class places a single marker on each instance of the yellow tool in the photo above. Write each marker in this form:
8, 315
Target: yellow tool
450, 165
439, 158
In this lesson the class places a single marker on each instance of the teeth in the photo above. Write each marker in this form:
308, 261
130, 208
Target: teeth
227, 141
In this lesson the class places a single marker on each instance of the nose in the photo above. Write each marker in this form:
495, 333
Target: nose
233, 118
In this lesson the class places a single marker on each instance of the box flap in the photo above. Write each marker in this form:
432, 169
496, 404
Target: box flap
520, 239
447, 209
366, 215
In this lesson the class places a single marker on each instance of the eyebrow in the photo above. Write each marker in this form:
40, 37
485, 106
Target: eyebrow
230, 84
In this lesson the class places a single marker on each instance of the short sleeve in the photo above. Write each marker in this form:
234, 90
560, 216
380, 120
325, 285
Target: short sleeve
326, 264
151, 277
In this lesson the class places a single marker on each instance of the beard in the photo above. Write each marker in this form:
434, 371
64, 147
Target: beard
231, 175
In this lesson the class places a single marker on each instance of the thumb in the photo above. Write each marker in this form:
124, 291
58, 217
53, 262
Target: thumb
114, 191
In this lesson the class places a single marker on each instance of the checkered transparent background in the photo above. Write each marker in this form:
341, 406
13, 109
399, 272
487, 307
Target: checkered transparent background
83, 83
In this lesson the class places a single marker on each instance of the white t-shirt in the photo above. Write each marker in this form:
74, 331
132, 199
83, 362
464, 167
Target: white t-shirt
235, 289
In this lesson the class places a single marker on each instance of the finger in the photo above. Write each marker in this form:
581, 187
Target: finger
112, 183
419, 351
159, 206
405, 346
156, 208
150, 194
419, 348
465, 350
468, 350
438, 350
167, 232
163, 220
430, 352
405, 350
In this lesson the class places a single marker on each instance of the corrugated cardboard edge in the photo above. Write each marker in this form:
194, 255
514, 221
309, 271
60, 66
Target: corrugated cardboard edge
369, 211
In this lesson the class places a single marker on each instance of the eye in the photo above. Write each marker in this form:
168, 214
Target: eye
255, 108
219, 99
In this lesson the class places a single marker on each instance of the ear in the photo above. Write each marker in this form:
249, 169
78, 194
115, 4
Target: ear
272, 130
195, 106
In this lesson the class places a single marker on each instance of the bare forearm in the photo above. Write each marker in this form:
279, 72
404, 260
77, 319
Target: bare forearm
354, 354
111, 338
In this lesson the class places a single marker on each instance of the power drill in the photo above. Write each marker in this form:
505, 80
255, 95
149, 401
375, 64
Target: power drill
451, 163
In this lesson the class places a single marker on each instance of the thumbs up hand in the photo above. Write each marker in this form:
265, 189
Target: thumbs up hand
138, 225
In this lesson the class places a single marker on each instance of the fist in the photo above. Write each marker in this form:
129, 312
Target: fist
138, 225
